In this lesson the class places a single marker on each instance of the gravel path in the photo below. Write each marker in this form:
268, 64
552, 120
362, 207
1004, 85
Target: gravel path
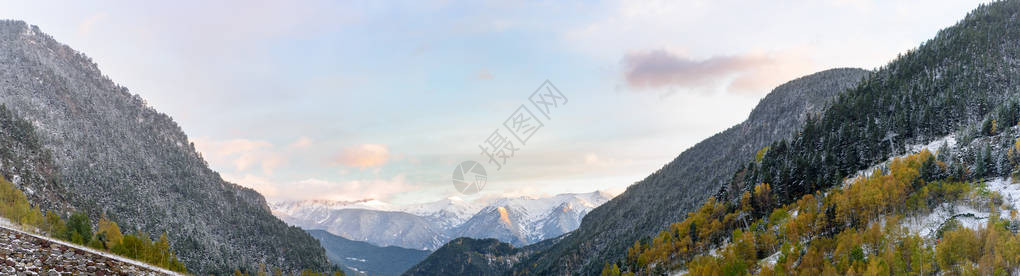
25, 254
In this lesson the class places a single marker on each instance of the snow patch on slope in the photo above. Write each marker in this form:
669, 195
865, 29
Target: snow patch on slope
949, 141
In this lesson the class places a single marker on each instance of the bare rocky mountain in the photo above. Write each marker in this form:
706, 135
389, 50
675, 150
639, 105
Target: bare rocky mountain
114, 154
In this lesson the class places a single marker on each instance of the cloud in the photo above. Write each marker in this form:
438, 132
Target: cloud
301, 143
242, 154
364, 156
260, 184
314, 188
516, 191
591, 158
86, 26
250, 163
485, 74
755, 73
616, 190
594, 160
658, 68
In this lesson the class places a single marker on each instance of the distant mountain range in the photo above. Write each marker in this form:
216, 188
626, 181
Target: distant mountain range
519, 220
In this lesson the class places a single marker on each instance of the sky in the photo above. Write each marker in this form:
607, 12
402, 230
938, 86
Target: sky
349, 100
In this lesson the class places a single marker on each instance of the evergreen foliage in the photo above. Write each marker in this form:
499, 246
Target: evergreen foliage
14, 206
842, 232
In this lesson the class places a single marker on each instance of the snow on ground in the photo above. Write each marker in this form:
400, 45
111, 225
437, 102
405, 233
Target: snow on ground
965, 214
933, 147
1009, 190
927, 225
6, 224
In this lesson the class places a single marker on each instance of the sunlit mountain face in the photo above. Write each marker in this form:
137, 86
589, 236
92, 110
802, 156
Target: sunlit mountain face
427, 226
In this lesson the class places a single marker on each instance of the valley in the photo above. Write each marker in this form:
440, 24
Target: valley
520, 221
318, 138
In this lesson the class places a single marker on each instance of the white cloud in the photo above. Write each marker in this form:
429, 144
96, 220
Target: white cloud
592, 160
86, 26
315, 188
260, 184
251, 163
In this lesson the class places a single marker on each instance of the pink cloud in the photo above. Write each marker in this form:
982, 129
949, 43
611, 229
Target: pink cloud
347, 190
242, 154
301, 143
485, 74
364, 156
754, 73
314, 188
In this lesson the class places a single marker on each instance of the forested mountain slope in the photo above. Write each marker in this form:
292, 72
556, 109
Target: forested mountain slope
357, 257
469, 256
964, 83
114, 154
965, 77
29, 165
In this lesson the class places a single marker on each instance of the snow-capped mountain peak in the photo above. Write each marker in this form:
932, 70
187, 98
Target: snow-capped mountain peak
519, 220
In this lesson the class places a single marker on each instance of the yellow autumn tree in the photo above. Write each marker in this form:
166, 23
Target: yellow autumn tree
108, 232
763, 196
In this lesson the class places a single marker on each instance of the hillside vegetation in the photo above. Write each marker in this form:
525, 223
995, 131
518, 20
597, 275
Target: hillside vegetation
851, 230
15, 207
792, 202
102, 150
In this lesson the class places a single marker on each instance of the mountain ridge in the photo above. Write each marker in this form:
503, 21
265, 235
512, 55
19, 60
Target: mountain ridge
118, 156
521, 220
